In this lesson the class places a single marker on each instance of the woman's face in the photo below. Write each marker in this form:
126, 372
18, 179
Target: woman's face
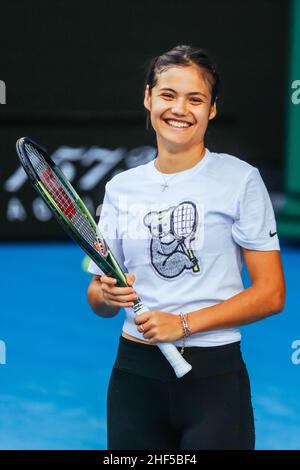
182, 94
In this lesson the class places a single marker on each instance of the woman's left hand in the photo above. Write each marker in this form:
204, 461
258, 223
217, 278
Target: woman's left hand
159, 326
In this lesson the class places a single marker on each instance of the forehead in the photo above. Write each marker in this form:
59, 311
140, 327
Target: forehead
183, 79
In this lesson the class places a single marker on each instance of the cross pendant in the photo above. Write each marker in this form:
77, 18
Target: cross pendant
164, 186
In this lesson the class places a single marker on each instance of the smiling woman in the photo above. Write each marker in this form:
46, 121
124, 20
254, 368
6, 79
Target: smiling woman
181, 91
203, 214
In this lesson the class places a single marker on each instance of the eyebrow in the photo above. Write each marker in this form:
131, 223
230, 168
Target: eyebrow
191, 93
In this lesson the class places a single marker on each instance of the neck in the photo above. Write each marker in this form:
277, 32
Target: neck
174, 162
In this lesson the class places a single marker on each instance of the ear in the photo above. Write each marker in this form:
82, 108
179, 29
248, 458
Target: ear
213, 111
147, 98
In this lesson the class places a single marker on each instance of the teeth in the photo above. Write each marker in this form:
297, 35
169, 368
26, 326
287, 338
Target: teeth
178, 124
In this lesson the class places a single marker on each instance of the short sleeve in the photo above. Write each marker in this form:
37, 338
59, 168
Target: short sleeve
255, 226
108, 226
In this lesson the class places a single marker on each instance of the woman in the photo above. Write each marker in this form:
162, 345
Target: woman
182, 225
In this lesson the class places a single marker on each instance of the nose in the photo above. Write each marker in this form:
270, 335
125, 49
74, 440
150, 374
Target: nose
179, 107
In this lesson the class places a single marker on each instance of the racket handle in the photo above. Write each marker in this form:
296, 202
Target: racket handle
171, 353
192, 256
169, 350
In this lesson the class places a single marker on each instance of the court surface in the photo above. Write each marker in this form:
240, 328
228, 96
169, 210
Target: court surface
59, 354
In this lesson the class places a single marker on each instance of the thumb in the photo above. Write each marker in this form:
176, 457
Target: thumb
130, 278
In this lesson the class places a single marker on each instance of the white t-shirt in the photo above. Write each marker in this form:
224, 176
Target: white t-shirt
183, 244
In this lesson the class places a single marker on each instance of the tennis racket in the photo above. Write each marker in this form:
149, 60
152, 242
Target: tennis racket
71, 212
183, 226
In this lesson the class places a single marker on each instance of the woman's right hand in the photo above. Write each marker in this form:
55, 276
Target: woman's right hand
118, 296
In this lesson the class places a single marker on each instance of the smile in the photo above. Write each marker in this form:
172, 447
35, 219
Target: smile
177, 124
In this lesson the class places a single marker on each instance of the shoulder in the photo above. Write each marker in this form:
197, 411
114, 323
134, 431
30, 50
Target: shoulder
232, 162
231, 168
127, 178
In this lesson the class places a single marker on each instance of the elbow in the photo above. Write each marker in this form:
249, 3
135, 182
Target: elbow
90, 296
100, 308
281, 306
279, 299
92, 301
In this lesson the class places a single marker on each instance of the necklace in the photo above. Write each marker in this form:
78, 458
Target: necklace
165, 185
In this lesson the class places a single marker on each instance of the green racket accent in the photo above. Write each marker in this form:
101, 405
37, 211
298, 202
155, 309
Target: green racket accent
192, 256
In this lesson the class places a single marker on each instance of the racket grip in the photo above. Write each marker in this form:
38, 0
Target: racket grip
169, 350
192, 257
171, 353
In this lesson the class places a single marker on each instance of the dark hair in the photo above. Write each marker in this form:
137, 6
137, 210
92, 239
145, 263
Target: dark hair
183, 55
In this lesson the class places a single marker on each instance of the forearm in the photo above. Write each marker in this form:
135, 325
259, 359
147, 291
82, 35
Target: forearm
250, 305
97, 304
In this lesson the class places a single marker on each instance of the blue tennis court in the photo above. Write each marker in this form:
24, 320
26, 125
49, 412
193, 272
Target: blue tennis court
59, 354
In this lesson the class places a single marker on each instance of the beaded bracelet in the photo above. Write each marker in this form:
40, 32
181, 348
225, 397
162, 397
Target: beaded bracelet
186, 329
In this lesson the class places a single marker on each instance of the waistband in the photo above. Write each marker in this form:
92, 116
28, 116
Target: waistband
148, 361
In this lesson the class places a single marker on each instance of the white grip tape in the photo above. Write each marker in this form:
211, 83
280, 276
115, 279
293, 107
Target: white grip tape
171, 353
179, 364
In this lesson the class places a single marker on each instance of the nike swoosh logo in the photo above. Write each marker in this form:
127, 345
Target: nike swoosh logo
272, 234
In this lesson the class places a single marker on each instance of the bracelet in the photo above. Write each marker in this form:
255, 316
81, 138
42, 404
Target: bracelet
186, 329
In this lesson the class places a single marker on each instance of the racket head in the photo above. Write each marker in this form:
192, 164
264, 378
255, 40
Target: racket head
66, 205
184, 220
26, 148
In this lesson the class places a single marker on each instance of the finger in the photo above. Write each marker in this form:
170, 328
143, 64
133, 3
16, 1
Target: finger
108, 280
145, 327
149, 334
120, 304
130, 278
118, 290
120, 298
142, 318
142, 329
116, 303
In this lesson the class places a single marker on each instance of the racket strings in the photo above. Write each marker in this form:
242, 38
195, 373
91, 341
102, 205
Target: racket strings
61, 197
53, 186
184, 220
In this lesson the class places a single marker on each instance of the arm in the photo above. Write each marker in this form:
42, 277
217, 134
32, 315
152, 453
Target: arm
106, 299
265, 297
95, 299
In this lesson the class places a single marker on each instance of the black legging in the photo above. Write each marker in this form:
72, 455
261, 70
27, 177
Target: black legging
148, 407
